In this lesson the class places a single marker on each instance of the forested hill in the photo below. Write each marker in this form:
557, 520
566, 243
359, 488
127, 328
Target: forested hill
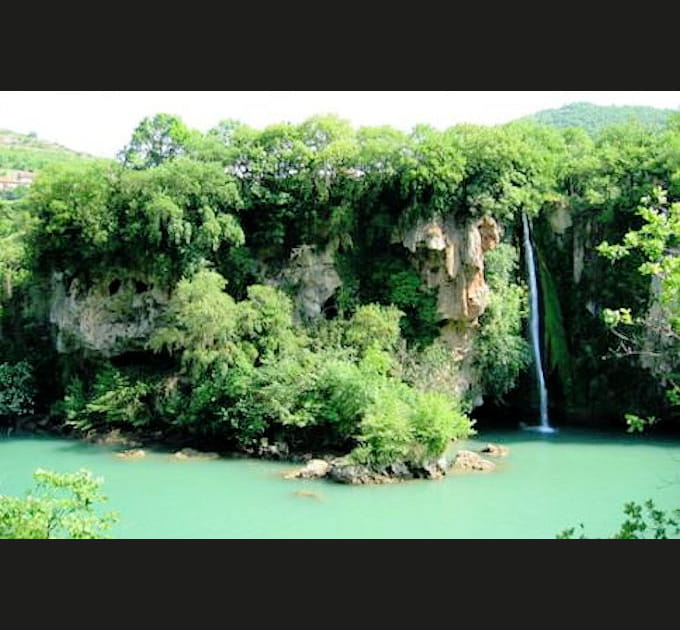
594, 118
28, 153
23, 156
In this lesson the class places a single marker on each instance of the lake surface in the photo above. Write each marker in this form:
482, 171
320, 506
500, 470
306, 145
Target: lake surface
547, 483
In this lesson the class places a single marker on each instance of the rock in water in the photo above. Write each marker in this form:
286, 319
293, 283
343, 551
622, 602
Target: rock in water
315, 469
467, 460
356, 474
278, 450
496, 450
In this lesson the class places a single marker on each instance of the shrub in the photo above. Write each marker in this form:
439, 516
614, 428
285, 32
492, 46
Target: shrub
385, 435
116, 400
404, 424
60, 506
434, 368
419, 305
113, 399
436, 420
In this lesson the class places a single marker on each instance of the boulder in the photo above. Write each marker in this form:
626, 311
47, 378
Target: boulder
467, 460
496, 450
432, 470
343, 471
315, 469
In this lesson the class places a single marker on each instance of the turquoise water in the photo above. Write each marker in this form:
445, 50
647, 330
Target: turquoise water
546, 484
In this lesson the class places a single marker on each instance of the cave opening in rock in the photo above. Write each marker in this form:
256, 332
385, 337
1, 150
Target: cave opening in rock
141, 287
330, 308
114, 287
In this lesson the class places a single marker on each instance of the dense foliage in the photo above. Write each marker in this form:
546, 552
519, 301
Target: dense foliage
502, 351
654, 334
14, 225
62, 505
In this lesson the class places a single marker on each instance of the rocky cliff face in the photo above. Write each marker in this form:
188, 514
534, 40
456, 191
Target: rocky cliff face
313, 278
117, 315
108, 319
450, 257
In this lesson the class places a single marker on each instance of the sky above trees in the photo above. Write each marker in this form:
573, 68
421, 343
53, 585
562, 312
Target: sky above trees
100, 122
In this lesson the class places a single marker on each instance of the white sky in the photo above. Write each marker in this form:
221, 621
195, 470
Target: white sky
102, 122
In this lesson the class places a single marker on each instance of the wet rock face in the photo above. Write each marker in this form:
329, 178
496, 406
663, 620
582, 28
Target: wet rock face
109, 318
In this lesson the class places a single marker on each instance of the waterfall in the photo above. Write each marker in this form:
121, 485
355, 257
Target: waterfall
544, 427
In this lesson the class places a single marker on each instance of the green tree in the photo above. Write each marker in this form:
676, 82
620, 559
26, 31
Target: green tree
202, 324
155, 140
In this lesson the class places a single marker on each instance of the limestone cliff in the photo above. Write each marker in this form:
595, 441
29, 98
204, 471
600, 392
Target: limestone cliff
312, 277
117, 315
449, 256
109, 318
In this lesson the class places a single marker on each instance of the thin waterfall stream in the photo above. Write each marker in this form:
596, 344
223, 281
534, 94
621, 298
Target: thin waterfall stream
534, 315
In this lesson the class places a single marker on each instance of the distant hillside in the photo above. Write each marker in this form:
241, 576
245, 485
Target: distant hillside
22, 156
28, 153
595, 117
